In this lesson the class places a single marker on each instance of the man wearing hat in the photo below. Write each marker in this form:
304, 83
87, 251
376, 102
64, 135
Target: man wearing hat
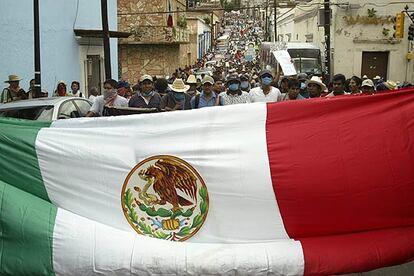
244, 83
265, 92
177, 99
207, 97
147, 97
368, 87
192, 82
233, 95
315, 87
303, 93
13, 92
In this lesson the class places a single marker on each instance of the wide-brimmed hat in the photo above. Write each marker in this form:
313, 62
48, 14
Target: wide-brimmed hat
377, 78
391, 85
316, 80
179, 86
191, 79
13, 78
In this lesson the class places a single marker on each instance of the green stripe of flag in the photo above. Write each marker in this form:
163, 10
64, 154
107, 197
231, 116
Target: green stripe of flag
18, 159
26, 229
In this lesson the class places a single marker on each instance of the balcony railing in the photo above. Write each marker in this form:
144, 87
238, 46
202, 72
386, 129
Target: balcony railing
157, 35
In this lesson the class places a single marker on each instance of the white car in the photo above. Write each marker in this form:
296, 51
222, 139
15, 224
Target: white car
46, 109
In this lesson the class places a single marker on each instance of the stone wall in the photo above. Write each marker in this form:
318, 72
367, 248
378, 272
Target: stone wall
152, 48
159, 60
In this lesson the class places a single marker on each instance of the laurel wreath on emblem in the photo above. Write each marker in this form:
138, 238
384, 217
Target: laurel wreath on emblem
179, 206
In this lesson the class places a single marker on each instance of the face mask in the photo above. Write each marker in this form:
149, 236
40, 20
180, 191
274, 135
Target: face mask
302, 86
109, 93
147, 94
266, 81
234, 87
244, 85
178, 96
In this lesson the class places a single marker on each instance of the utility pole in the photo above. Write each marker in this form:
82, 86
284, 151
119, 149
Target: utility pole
327, 26
107, 49
37, 74
275, 19
267, 22
212, 32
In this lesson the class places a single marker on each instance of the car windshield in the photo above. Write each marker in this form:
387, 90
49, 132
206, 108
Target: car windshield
307, 65
39, 113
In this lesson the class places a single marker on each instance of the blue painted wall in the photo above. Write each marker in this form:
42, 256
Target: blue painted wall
60, 58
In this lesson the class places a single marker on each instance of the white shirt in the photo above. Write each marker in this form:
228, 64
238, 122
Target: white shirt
92, 98
99, 103
333, 95
78, 94
257, 95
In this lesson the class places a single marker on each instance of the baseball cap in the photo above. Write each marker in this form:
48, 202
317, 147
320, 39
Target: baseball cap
244, 77
123, 84
367, 82
145, 77
232, 77
207, 79
302, 76
265, 72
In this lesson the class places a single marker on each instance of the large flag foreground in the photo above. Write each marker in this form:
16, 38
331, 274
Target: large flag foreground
314, 187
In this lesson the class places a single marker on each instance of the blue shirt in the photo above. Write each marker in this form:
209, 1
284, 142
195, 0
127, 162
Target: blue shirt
203, 101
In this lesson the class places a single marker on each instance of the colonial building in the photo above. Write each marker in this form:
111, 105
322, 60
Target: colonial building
70, 49
166, 35
362, 40
160, 39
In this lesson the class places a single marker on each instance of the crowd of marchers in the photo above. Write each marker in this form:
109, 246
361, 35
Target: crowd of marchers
225, 76
190, 92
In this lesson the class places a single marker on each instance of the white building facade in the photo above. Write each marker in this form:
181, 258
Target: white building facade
362, 40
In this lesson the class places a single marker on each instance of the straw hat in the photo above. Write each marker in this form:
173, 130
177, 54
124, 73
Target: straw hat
179, 86
191, 79
13, 78
391, 85
316, 80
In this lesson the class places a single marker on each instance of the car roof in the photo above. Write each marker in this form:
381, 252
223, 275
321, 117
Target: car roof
36, 102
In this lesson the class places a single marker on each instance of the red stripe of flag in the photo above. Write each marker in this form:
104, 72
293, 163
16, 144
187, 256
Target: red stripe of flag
343, 171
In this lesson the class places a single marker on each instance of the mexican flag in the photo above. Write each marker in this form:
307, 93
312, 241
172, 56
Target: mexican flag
311, 187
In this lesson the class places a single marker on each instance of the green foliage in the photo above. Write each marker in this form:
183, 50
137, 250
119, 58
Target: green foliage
145, 229
372, 12
207, 20
128, 200
184, 231
197, 221
182, 22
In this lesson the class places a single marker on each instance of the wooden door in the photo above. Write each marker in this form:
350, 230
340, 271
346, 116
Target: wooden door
375, 64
